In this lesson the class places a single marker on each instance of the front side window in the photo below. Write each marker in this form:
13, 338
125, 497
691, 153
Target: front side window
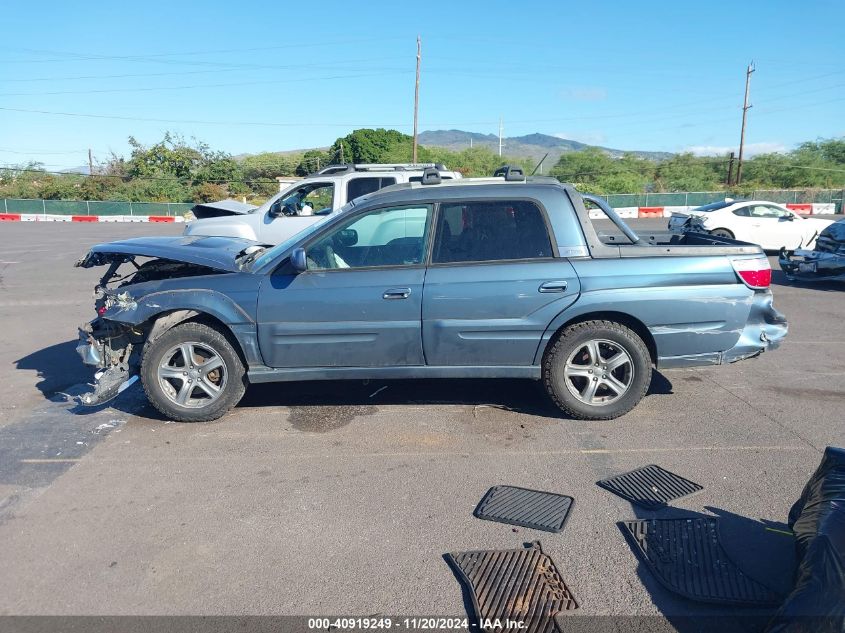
386, 237
766, 211
309, 199
490, 231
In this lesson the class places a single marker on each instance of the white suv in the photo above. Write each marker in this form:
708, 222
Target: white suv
306, 201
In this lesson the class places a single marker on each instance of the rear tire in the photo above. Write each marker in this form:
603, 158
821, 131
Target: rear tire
597, 370
722, 233
192, 373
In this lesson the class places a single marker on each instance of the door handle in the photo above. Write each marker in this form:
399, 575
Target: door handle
553, 286
396, 293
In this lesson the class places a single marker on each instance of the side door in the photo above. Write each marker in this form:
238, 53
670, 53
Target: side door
359, 302
774, 227
295, 211
493, 284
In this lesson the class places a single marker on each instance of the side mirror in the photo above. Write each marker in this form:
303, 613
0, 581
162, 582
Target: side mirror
275, 210
298, 260
347, 237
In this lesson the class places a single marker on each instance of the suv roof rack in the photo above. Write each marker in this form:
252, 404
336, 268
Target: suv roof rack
510, 172
431, 176
350, 167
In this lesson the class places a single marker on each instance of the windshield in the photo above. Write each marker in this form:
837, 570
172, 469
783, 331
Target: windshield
272, 253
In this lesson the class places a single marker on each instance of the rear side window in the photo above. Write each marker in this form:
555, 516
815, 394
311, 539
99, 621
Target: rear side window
362, 186
491, 231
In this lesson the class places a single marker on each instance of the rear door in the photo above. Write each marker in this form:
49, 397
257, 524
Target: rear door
358, 186
493, 285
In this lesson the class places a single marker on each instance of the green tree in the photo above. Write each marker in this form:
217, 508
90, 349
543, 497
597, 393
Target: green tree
686, 172
373, 146
313, 160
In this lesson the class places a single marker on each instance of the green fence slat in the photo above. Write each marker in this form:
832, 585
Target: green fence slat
22, 206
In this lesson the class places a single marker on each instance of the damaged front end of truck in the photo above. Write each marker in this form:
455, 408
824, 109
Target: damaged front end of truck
149, 286
826, 262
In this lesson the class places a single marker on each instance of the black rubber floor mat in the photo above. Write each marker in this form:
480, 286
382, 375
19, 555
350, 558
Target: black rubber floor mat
516, 584
686, 556
650, 487
529, 508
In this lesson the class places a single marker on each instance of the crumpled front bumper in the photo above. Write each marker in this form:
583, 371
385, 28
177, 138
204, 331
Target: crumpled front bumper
806, 265
113, 370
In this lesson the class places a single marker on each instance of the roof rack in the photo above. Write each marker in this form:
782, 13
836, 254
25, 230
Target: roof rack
510, 172
431, 176
350, 167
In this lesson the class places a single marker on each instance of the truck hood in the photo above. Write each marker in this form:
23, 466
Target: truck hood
219, 253
237, 226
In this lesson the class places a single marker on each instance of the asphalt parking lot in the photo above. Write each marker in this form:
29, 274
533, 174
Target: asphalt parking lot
342, 498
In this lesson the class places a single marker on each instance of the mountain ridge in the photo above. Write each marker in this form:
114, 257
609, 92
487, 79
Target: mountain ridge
533, 146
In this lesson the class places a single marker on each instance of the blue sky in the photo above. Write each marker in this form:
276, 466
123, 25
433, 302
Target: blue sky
262, 76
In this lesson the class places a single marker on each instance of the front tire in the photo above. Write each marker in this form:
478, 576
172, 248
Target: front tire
192, 373
597, 370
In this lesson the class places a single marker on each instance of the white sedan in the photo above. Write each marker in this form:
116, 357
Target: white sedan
768, 224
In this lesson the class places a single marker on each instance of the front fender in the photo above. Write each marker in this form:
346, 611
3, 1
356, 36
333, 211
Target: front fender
203, 301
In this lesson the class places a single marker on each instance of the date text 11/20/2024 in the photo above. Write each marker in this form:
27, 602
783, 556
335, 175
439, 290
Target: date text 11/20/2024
411, 623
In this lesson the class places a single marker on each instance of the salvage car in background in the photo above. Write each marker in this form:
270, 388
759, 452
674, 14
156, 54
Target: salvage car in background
768, 224
465, 279
309, 200
826, 262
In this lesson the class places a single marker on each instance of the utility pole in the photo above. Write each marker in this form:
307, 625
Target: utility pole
745, 107
90, 163
501, 128
417, 96
341, 153
730, 169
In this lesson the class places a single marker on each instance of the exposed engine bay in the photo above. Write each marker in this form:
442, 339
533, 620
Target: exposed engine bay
113, 347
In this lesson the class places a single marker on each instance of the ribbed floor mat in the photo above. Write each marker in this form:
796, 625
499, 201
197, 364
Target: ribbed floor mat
686, 556
650, 487
516, 584
529, 508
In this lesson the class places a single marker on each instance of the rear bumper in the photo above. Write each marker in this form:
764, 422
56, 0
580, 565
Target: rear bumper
764, 330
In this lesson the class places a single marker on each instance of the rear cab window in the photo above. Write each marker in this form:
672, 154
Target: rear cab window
493, 230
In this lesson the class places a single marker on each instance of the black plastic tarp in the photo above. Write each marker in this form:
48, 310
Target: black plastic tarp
817, 601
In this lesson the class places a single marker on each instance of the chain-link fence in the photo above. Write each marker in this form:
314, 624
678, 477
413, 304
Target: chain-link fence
697, 198
92, 207
688, 199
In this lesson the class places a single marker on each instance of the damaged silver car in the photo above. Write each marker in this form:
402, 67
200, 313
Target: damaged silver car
826, 262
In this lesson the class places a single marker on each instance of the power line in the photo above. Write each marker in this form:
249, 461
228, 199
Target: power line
341, 65
200, 86
155, 56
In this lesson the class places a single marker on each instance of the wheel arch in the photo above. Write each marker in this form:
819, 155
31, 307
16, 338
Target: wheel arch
622, 318
165, 321
727, 230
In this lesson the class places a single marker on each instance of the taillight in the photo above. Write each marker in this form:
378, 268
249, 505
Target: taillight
755, 272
